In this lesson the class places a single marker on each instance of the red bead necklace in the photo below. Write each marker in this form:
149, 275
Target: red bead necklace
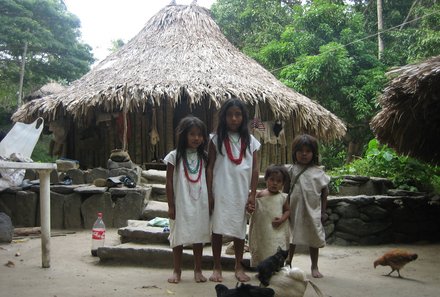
229, 151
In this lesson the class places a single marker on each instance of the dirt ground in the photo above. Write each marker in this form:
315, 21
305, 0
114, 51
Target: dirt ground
348, 272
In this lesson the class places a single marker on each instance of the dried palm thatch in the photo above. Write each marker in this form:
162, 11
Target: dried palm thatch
181, 53
410, 118
46, 90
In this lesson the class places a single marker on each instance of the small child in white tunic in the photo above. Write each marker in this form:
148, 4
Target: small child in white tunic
308, 199
269, 226
232, 171
188, 207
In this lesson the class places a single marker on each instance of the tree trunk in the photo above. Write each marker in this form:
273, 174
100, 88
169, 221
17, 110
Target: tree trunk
379, 29
409, 13
23, 63
353, 151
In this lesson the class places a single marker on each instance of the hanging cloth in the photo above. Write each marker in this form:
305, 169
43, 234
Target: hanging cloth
257, 126
256, 123
154, 135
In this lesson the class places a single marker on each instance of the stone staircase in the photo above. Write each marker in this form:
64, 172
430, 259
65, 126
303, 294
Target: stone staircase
147, 245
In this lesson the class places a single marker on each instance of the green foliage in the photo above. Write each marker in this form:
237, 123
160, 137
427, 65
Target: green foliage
54, 49
332, 155
250, 24
41, 150
405, 172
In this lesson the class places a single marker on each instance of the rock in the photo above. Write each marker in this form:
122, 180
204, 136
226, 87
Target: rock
360, 228
91, 175
72, 211
347, 210
77, 176
65, 165
358, 178
6, 228
63, 189
374, 212
90, 189
94, 204
128, 207
155, 176
27, 202
155, 209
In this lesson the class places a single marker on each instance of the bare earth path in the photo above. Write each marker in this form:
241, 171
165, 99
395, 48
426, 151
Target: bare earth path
74, 272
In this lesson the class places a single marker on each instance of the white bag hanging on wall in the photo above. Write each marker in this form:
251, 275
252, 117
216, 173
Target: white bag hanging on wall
22, 139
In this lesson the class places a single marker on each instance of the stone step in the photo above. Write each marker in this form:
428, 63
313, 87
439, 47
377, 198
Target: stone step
161, 256
139, 232
149, 245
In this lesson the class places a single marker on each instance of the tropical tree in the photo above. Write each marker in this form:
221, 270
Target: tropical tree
251, 24
411, 28
39, 41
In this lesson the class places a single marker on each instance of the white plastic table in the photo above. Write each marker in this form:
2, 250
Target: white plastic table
43, 170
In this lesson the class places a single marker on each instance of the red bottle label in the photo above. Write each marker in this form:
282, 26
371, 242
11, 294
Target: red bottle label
98, 234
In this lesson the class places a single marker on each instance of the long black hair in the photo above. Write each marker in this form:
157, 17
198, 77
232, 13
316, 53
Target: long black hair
222, 128
182, 131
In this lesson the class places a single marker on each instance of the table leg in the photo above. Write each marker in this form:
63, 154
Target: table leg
45, 216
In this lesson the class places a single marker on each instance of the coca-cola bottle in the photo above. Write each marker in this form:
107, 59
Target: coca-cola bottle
98, 234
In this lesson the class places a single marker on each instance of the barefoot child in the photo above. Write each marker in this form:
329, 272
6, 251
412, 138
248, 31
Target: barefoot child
269, 226
188, 206
232, 170
308, 199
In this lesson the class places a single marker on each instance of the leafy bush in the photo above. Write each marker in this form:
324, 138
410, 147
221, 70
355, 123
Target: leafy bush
41, 150
332, 155
405, 172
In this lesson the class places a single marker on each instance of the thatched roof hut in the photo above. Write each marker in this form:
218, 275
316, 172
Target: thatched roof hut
410, 118
46, 90
179, 63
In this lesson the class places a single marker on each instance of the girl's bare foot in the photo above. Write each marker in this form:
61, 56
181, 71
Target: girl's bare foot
316, 273
216, 276
175, 278
199, 277
241, 276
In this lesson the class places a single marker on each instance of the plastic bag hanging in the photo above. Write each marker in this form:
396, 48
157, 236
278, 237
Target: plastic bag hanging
22, 139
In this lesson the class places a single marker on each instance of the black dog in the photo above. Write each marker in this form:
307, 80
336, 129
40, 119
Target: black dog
243, 290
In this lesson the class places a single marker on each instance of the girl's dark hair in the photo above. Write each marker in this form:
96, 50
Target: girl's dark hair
309, 141
222, 128
280, 169
182, 131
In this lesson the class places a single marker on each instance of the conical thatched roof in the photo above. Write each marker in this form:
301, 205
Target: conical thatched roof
181, 53
410, 118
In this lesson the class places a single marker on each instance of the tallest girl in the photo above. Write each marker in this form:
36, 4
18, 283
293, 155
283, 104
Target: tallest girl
231, 172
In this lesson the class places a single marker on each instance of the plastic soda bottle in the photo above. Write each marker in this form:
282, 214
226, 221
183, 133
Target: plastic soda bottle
98, 234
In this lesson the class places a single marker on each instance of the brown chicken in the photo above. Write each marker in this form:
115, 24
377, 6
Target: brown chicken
396, 259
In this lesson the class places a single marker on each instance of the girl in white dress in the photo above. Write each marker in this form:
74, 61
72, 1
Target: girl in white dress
269, 226
187, 196
232, 171
308, 199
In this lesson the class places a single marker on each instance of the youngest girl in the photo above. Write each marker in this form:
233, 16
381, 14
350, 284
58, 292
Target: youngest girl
269, 226
187, 195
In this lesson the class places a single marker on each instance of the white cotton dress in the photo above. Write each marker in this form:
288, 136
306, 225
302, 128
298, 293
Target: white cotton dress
264, 239
305, 206
231, 184
192, 208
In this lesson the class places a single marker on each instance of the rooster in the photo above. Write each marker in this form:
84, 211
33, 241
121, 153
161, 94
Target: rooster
396, 259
